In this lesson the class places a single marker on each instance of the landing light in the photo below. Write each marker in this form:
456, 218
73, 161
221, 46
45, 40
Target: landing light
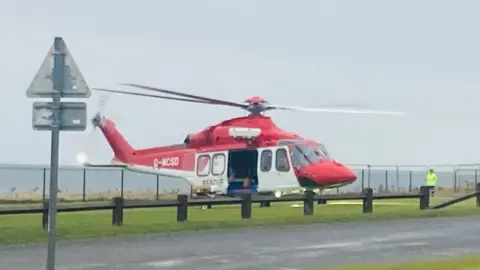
248, 133
278, 194
82, 158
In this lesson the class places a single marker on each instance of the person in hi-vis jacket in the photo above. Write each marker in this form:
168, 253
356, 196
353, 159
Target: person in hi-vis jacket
431, 181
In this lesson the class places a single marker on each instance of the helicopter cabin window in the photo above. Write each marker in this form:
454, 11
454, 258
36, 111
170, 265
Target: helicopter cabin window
218, 164
281, 160
203, 165
266, 161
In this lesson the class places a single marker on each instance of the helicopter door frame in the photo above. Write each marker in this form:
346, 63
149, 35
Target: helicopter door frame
272, 175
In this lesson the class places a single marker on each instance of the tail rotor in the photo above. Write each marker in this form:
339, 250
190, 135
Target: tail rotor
98, 118
96, 121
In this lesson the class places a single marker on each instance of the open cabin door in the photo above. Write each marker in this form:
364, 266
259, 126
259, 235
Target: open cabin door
242, 171
275, 170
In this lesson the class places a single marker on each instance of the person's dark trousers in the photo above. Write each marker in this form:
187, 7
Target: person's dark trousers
432, 191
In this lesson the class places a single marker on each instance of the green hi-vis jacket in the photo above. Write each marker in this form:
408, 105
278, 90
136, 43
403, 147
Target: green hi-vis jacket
431, 179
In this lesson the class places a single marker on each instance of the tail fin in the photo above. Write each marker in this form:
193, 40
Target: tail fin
121, 148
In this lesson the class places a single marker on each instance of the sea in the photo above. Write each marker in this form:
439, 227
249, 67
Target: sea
395, 178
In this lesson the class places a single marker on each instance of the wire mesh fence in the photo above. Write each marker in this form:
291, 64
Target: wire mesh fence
31, 183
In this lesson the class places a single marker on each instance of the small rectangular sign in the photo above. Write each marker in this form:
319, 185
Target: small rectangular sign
73, 116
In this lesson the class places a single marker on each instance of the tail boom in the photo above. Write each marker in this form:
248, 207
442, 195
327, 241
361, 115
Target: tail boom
123, 151
174, 160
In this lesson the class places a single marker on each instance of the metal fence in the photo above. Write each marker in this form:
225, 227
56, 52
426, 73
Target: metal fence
75, 183
401, 178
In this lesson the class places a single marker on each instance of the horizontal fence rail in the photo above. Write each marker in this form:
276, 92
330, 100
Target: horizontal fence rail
119, 204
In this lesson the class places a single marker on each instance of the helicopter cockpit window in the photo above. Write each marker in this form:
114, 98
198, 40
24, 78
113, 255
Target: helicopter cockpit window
324, 150
304, 155
288, 142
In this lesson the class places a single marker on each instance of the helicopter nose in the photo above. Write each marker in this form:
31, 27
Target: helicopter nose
328, 173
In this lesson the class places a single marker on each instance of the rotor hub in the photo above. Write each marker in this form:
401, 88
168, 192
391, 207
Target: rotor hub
256, 100
97, 120
256, 105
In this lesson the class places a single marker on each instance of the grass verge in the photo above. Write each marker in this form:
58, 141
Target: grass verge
460, 263
27, 228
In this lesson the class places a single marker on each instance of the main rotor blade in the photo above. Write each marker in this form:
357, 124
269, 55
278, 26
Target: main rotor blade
210, 100
154, 96
333, 110
342, 105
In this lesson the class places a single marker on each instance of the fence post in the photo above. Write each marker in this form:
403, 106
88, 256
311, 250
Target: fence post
397, 172
121, 182
455, 180
117, 211
247, 206
476, 177
367, 200
363, 178
84, 191
369, 174
44, 184
386, 180
182, 207
425, 197
157, 195
477, 188
308, 203
410, 175
45, 215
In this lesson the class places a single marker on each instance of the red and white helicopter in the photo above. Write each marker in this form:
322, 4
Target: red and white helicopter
213, 161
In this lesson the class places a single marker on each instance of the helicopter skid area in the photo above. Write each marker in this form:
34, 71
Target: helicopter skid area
209, 192
236, 193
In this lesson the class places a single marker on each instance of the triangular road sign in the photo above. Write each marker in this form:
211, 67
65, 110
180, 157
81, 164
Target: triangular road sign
75, 85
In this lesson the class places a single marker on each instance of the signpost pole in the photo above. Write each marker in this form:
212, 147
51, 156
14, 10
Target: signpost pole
58, 78
62, 80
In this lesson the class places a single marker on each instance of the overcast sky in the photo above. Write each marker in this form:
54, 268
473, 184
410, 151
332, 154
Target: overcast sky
416, 56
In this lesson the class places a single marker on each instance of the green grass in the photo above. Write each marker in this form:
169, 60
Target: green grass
27, 228
460, 263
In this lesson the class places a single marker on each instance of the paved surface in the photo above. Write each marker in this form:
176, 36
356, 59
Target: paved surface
262, 248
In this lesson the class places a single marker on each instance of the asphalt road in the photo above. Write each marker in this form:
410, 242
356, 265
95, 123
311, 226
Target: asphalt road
286, 248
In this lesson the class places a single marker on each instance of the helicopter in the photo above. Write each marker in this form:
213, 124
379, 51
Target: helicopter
248, 154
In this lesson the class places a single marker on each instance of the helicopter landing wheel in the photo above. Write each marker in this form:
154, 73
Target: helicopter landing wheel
320, 192
206, 206
264, 204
